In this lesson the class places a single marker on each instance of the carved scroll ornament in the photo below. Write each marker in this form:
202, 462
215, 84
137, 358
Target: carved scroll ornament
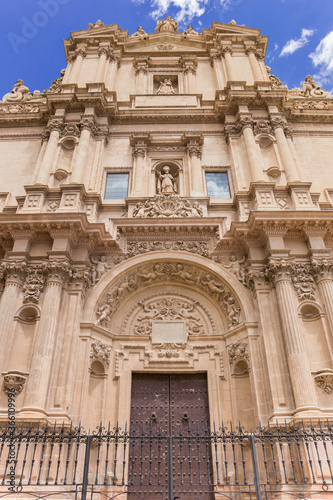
167, 206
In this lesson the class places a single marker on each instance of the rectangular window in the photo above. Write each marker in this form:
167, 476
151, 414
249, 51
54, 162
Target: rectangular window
217, 185
116, 186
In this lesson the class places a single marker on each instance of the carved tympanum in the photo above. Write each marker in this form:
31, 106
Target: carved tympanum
169, 272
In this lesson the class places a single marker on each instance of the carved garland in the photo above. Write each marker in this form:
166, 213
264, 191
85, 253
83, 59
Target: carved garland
177, 272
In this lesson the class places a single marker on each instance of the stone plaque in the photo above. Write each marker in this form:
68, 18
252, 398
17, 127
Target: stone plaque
169, 332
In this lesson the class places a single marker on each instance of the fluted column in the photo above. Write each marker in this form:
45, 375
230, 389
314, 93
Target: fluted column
104, 53
215, 59
298, 363
54, 128
41, 363
80, 53
88, 127
190, 72
70, 63
252, 152
195, 154
226, 51
64, 376
141, 72
323, 270
139, 154
256, 71
289, 166
114, 61
14, 274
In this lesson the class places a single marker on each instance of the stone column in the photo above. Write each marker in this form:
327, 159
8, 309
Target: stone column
252, 152
323, 271
251, 53
64, 378
14, 274
215, 59
41, 363
226, 51
141, 72
88, 127
190, 72
289, 166
195, 154
112, 70
70, 64
80, 53
139, 155
298, 363
104, 53
54, 128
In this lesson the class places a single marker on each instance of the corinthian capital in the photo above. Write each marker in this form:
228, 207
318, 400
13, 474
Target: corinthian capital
58, 271
88, 123
226, 49
13, 271
194, 149
322, 268
278, 269
139, 149
81, 50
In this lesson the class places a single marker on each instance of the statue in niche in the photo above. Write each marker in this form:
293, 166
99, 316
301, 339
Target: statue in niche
166, 182
166, 87
168, 24
140, 33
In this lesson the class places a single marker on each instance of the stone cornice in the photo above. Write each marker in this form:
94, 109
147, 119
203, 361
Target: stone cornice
93, 235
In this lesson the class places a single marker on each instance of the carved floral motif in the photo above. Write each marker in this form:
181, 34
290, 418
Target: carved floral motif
300, 274
325, 381
167, 206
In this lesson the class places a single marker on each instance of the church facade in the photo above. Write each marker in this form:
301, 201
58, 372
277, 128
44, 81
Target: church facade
166, 227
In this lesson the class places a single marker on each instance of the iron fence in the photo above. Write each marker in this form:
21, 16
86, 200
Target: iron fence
194, 461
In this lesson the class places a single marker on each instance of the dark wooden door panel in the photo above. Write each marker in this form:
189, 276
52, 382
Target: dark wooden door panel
162, 406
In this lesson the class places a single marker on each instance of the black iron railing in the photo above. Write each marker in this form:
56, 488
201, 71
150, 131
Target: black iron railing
194, 462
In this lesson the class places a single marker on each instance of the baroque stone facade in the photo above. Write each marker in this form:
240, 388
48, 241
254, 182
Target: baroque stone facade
166, 206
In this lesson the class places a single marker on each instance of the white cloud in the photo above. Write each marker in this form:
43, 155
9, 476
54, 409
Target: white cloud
292, 45
187, 9
322, 59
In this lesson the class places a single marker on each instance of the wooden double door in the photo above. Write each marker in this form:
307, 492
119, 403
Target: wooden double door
170, 449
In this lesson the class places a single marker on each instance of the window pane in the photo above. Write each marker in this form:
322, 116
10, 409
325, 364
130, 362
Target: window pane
116, 186
217, 185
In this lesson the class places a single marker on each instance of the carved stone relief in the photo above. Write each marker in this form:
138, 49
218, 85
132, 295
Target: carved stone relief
324, 381
34, 284
139, 247
169, 272
239, 358
99, 352
14, 380
167, 206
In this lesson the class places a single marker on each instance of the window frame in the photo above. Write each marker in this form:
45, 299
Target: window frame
220, 170
115, 171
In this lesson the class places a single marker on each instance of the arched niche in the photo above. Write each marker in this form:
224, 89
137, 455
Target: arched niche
175, 170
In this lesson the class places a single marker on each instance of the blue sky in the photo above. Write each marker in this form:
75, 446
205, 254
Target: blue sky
31, 32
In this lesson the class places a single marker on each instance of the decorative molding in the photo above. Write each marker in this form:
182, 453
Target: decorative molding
34, 283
